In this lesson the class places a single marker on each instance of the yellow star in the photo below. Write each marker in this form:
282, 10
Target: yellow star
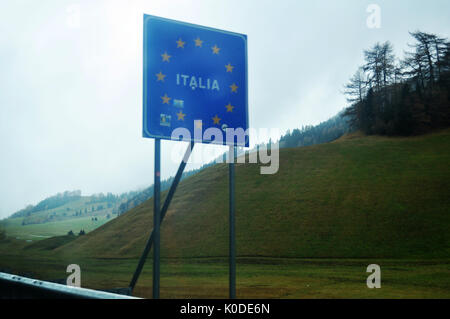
180, 43
229, 67
166, 99
234, 88
215, 49
198, 124
216, 119
229, 107
160, 76
198, 42
166, 57
181, 116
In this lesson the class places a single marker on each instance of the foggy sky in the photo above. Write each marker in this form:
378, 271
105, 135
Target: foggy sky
71, 89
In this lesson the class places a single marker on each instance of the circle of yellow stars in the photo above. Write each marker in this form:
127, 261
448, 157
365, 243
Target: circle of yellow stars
161, 77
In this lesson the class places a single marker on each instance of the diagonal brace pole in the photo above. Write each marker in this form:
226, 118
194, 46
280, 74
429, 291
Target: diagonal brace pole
172, 190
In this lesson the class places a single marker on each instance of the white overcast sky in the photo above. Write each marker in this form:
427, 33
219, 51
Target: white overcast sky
71, 79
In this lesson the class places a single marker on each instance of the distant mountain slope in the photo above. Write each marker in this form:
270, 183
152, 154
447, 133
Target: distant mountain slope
68, 205
324, 132
64, 212
356, 197
52, 202
147, 193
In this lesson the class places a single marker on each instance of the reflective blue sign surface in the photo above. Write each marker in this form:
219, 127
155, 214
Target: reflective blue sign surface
194, 78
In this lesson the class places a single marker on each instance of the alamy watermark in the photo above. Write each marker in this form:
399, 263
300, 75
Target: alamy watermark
74, 279
266, 154
374, 279
374, 19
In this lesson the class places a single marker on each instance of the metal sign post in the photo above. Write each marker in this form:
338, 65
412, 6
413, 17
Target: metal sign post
232, 260
163, 212
156, 218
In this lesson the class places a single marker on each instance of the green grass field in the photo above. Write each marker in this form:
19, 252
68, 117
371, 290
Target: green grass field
256, 277
309, 231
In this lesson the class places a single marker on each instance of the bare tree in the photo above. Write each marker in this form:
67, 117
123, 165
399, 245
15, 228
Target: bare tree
441, 49
355, 89
380, 65
424, 47
414, 66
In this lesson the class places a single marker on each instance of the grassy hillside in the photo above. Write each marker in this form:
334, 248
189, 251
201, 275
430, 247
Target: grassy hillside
13, 227
75, 215
354, 198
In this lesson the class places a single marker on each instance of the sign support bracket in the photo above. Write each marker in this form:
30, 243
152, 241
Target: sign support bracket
162, 214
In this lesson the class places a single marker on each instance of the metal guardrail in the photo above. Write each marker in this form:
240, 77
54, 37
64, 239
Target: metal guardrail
17, 287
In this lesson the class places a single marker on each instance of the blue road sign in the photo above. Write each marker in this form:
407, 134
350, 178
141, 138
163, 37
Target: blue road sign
195, 78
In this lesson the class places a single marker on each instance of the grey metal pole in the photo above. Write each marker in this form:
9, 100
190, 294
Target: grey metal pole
164, 209
156, 219
232, 261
